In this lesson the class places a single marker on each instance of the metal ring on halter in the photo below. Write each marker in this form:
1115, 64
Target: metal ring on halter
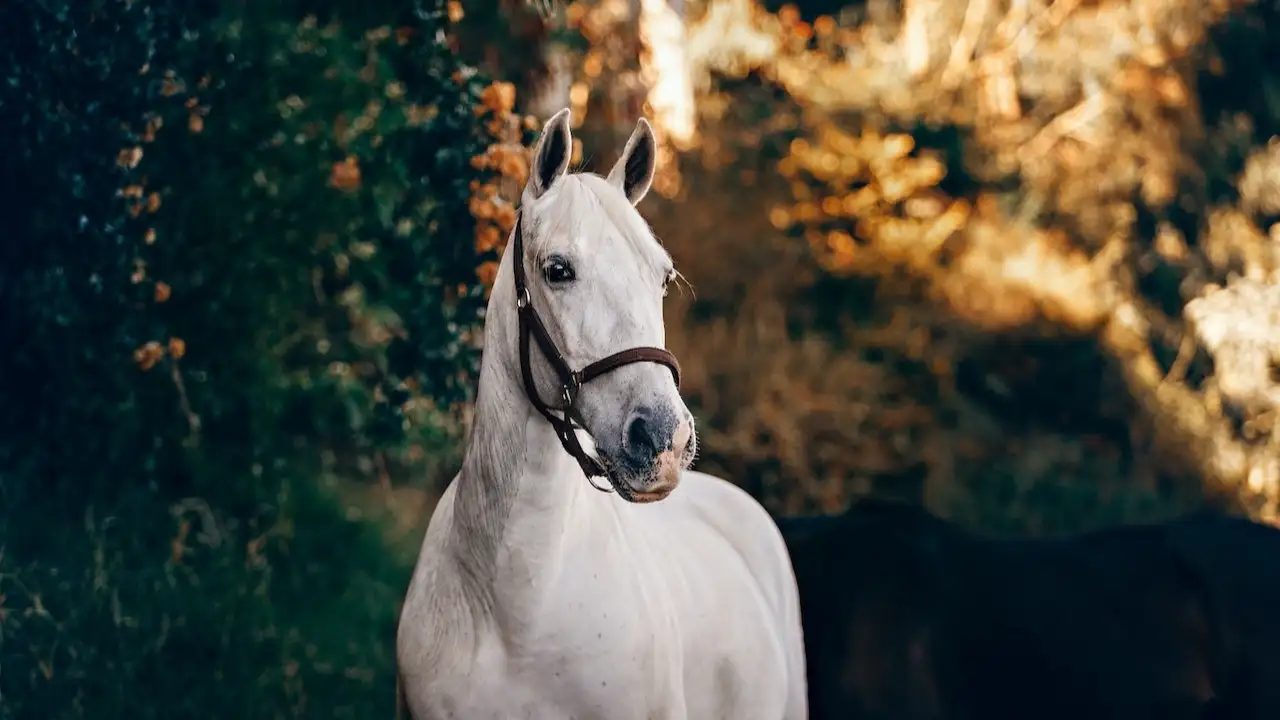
568, 392
605, 489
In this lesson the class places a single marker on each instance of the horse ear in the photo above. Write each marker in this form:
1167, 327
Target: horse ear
551, 156
633, 173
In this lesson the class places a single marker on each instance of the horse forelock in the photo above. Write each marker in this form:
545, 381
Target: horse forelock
587, 209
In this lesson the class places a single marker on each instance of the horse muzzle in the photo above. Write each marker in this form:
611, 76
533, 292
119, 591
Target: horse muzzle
656, 450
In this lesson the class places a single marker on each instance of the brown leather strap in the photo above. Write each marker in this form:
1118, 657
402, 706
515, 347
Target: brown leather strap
626, 357
532, 327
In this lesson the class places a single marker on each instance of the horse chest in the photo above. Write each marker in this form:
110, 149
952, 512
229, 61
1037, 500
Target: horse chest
574, 654
504, 682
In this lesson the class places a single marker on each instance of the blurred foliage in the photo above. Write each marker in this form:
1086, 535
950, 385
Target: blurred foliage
241, 257
1011, 217
504, 38
1094, 179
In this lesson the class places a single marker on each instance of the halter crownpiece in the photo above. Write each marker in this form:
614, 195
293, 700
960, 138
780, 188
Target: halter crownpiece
571, 381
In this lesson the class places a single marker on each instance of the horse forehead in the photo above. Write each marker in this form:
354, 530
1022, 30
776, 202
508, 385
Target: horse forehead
574, 225
598, 231
591, 216
602, 240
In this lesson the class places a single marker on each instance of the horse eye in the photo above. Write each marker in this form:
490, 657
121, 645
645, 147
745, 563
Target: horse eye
558, 271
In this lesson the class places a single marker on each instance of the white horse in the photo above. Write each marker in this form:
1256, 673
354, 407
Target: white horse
535, 596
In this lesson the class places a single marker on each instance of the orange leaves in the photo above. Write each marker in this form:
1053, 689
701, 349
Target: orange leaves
867, 204
482, 208
514, 165
455, 11
500, 97
488, 238
505, 216
510, 160
574, 14
870, 205
148, 355
140, 201
345, 175
495, 217
154, 123
792, 26
150, 204
151, 353
129, 158
135, 192
492, 201
498, 100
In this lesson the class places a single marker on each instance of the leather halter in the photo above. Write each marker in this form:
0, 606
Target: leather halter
571, 381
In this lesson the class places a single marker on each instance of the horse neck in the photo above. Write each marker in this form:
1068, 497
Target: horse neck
518, 489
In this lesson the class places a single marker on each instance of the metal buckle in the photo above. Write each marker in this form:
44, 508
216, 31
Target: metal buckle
606, 489
569, 392
523, 299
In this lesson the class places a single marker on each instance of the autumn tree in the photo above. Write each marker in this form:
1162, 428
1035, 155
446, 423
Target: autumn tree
241, 258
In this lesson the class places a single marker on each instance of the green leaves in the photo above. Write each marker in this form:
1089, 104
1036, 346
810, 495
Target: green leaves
269, 213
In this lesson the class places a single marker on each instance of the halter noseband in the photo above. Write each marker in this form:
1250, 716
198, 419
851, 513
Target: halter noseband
570, 381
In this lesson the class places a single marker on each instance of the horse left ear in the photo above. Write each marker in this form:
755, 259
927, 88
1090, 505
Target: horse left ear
633, 173
551, 155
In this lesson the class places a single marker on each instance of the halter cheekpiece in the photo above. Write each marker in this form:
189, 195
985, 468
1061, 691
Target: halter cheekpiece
571, 381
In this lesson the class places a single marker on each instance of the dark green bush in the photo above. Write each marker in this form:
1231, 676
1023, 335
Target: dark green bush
198, 297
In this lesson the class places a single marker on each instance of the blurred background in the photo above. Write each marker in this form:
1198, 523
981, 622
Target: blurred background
1016, 260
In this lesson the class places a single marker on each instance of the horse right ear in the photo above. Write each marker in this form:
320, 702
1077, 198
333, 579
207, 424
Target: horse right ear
551, 156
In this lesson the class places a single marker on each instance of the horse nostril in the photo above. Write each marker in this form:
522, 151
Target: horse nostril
640, 442
644, 439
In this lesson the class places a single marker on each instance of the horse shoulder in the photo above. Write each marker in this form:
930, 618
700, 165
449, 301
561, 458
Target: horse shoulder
747, 527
